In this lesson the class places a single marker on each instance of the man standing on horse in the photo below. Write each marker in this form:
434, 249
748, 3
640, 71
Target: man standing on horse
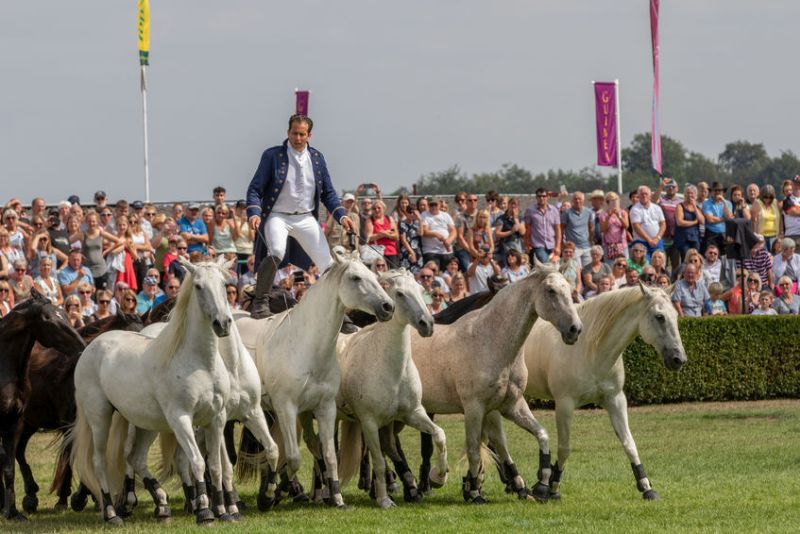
283, 206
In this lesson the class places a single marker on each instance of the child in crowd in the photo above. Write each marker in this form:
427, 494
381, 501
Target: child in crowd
715, 305
765, 304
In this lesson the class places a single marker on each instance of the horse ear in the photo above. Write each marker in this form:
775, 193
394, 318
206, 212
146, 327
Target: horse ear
537, 264
226, 265
643, 288
671, 289
189, 266
339, 254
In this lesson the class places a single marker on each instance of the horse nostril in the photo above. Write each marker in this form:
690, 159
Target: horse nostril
388, 307
677, 361
574, 330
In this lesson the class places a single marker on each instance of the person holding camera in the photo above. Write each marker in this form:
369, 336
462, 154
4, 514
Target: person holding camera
283, 206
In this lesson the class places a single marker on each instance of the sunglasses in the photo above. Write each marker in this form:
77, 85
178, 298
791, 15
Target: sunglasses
753, 281
70, 306
174, 287
473, 199
19, 270
130, 299
4, 289
104, 302
182, 248
426, 277
85, 292
105, 215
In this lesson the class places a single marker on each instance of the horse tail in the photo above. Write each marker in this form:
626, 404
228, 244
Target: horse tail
350, 450
62, 463
249, 447
115, 452
79, 442
166, 465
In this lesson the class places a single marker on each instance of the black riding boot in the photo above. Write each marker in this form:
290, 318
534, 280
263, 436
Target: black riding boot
266, 274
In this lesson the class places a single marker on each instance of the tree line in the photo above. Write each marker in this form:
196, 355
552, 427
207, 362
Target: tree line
741, 162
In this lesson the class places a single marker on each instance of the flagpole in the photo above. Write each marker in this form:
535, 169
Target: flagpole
144, 120
619, 139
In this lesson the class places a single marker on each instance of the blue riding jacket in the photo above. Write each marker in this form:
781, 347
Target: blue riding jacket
267, 184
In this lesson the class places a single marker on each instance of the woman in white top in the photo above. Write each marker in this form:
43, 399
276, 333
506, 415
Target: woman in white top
46, 284
222, 232
514, 269
144, 251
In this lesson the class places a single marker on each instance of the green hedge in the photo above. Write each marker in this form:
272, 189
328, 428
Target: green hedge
729, 358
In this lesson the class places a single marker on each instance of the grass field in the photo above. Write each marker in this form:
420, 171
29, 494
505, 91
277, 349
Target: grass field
724, 467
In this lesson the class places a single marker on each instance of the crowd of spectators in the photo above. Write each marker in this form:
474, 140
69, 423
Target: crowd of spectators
95, 259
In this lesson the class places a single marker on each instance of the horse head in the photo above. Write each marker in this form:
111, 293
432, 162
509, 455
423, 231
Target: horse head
359, 288
208, 286
50, 325
409, 305
553, 301
658, 326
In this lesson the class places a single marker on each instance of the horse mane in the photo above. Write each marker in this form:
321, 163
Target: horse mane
167, 343
536, 276
335, 270
600, 312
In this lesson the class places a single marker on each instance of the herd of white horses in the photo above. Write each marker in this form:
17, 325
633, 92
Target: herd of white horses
184, 379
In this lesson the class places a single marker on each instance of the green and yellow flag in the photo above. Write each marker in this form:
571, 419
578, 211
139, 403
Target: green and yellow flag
144, 32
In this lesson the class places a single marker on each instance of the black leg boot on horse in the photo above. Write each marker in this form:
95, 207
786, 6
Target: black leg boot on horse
265, 276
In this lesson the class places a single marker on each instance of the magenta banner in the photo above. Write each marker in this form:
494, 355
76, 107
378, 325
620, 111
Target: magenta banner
301, 106
605, 103
655, 134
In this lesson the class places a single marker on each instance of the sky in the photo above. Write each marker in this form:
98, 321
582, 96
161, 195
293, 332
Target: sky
398, 90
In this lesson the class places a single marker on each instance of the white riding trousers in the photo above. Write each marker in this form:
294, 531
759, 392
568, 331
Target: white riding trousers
305, 229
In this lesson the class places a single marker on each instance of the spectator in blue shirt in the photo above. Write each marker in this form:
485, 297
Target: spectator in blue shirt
716, 211
690, 294
148, 297
71, 276
193, 230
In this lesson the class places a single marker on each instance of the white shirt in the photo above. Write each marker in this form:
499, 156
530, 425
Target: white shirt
648, 217
478, 281
439, 223
713, 269
297, 195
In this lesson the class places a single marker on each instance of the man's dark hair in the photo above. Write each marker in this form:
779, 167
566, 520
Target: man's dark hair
300, 119
121, 203
541, 191
491, 195
219, 189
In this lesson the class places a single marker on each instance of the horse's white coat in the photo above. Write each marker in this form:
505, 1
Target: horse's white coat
592, 370
172, 383
380, 383
466, 367
295, 352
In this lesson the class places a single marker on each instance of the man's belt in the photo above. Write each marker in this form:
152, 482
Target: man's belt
294, 212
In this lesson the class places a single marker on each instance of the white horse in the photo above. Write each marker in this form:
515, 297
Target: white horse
466, 366
592, 370
244, 404
381, 385
295, 353
174, 382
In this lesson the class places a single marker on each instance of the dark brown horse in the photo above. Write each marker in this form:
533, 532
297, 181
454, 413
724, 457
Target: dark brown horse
35, 319
51, 406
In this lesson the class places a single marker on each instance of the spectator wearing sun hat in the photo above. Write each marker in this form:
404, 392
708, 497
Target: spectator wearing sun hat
335, 233
149, 297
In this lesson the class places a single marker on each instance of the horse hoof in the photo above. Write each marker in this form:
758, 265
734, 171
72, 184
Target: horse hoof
30, 503
478, 499
555, 495
162, 513
651, 495
204, 516
522, 493
241, 505
265, 503
61, 506
344, 507
236, 516
226, 518
78, 502
115, 521
540, 492
387, 503
437, 479
412, 495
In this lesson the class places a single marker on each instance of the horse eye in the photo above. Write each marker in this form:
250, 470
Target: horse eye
660, 317
197, 286
551, 291
401, 294
356, 278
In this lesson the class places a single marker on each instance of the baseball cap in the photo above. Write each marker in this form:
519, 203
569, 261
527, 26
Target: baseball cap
75, 246
194, 205
348, 196
137, 204
99, 194
797, 179
670, 183
433, 200
150, 281
74, 199
241, 203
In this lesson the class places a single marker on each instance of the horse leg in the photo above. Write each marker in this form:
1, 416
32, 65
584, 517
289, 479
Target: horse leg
184, 433
617, 406
319, 493
287, 420
230, 445
419, 419
370, 435
474, 413
9, 441
144, 440
389, 446
564, 410
256, 423
30, 502
426, 451
364, 479
326, 419
521, 414
505, 464
185, 473
214, 442
98, 416
127, 501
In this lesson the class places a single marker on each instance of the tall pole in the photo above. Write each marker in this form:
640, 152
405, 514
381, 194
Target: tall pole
144, 120
619, 140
